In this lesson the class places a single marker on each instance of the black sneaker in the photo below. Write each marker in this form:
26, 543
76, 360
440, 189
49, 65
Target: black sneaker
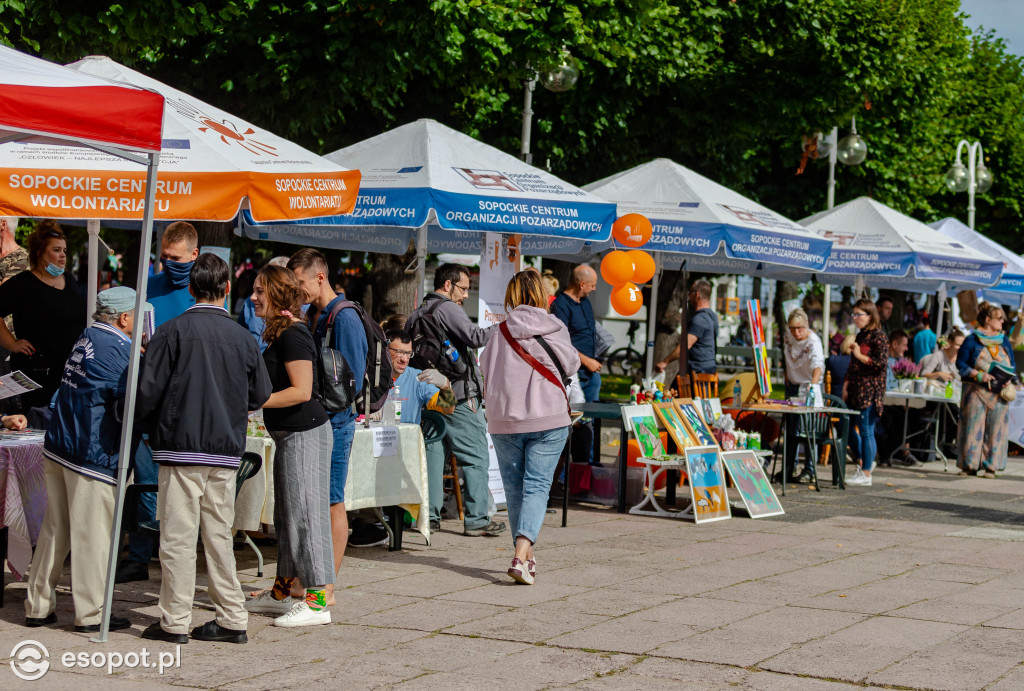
36, 622
155, 632
435, 526
131, 571
368, 535
116, 624
909, 461
212, 631
492, 529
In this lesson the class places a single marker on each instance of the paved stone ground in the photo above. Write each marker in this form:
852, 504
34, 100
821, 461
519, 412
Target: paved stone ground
912, 583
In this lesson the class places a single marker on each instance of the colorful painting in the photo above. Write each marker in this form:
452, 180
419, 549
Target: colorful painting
707, 484
710, 409
700, 431
675, 426
646, 430
761, 365
748, 475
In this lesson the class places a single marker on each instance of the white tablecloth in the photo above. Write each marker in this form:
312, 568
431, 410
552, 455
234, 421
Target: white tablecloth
399, 480
255, 502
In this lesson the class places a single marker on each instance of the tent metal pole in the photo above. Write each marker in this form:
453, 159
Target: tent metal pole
652, 316
125, 450
941, 308
683, 335
92, 227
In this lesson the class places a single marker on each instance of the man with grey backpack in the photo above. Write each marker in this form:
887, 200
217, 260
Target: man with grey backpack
444, 338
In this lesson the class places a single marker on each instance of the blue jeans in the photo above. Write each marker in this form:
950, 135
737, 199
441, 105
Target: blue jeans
590, 382
147, 472
868, 447
344, 429
527, 462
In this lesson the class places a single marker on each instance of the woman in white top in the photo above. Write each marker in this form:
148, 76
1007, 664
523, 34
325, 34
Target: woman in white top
805, 364
941, 365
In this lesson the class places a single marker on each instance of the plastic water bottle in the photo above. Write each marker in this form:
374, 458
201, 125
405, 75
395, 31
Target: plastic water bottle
396, 397
450, 351
737, 393
949, 389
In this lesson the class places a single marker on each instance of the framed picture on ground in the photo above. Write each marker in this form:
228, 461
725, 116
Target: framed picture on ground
707, 484
674, 424
755, 490
698, 428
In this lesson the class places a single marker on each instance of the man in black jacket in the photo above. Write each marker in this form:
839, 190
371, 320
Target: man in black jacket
203, 373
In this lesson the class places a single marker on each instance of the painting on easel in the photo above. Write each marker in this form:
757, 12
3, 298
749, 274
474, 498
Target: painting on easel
761, 365
707, 484
748, 475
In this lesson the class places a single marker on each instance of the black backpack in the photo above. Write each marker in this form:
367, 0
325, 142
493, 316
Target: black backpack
337, 383
428, 349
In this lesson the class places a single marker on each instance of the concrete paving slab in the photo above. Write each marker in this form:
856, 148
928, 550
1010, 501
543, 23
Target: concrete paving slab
704, 613
690, 674
447, 653
957, 573
881, 596
627, 634
508, 593
544, 666
854, 653
1011, 620
749, 641
971, 660
527, 624
429, 615
1012, 681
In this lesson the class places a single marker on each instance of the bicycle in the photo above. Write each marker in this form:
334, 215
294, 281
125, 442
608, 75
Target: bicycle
627, 361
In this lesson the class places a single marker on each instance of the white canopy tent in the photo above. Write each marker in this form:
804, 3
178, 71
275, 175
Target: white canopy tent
705, 226
45, 105
1010, 289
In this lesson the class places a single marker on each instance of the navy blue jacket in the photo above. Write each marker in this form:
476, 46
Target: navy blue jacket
85, 429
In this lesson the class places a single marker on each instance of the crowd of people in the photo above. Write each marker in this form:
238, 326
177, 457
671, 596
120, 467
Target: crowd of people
203, 373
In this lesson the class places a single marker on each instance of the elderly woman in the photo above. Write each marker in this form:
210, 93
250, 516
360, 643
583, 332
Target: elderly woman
864, 389
805, 364
525, 367
983, 411
48, 314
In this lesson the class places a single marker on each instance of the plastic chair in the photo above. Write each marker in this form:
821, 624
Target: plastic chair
704, 385
434, 428
814, 428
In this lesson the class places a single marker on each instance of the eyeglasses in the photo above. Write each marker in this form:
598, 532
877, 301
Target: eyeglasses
859, 314
401, 353
464, 289
798, 328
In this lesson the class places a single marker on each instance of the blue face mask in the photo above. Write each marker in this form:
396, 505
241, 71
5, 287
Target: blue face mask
54, 270
178, 272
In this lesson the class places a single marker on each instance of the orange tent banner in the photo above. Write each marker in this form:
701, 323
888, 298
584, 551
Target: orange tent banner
118, 194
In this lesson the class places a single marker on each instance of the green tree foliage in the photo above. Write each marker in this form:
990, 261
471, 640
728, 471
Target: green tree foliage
727, 87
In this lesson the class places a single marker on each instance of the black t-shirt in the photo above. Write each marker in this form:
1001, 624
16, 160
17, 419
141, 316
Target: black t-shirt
295, 343
50, 319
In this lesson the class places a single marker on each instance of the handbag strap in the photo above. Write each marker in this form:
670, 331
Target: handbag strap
554, 359
534, 363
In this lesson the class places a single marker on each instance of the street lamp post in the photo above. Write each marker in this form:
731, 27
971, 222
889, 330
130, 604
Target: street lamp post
974, 178
560, 79
851, 150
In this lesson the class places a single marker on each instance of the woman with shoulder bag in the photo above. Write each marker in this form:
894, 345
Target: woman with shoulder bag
525, 365
983, 407
864, 388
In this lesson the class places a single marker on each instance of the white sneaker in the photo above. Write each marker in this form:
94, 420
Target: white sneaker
301, 615
266, 604
860, 479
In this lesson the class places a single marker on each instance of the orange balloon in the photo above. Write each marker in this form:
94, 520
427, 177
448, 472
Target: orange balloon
627, 299
643, 266
632, 230
616, 268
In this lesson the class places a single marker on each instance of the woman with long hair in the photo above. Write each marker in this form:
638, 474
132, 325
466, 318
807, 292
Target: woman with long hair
864, 389
984, 405
526, 365
47, 314
298, 424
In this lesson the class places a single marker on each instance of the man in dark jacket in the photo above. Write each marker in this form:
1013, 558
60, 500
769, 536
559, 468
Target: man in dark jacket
81, 451
202, 374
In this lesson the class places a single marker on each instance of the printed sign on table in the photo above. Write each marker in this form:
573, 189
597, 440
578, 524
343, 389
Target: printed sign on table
385, 441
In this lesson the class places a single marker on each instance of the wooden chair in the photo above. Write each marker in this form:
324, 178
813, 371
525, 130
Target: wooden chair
683, 387
456, 487
704, 385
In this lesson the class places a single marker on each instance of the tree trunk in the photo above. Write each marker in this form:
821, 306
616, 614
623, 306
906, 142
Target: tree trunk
215, 233
390, 290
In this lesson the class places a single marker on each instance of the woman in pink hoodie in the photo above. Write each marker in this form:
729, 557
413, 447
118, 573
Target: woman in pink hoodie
526, 364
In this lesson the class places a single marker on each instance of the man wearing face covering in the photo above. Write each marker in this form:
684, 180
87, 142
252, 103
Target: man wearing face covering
168, 292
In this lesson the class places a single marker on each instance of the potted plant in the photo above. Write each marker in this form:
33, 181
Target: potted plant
906, 373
